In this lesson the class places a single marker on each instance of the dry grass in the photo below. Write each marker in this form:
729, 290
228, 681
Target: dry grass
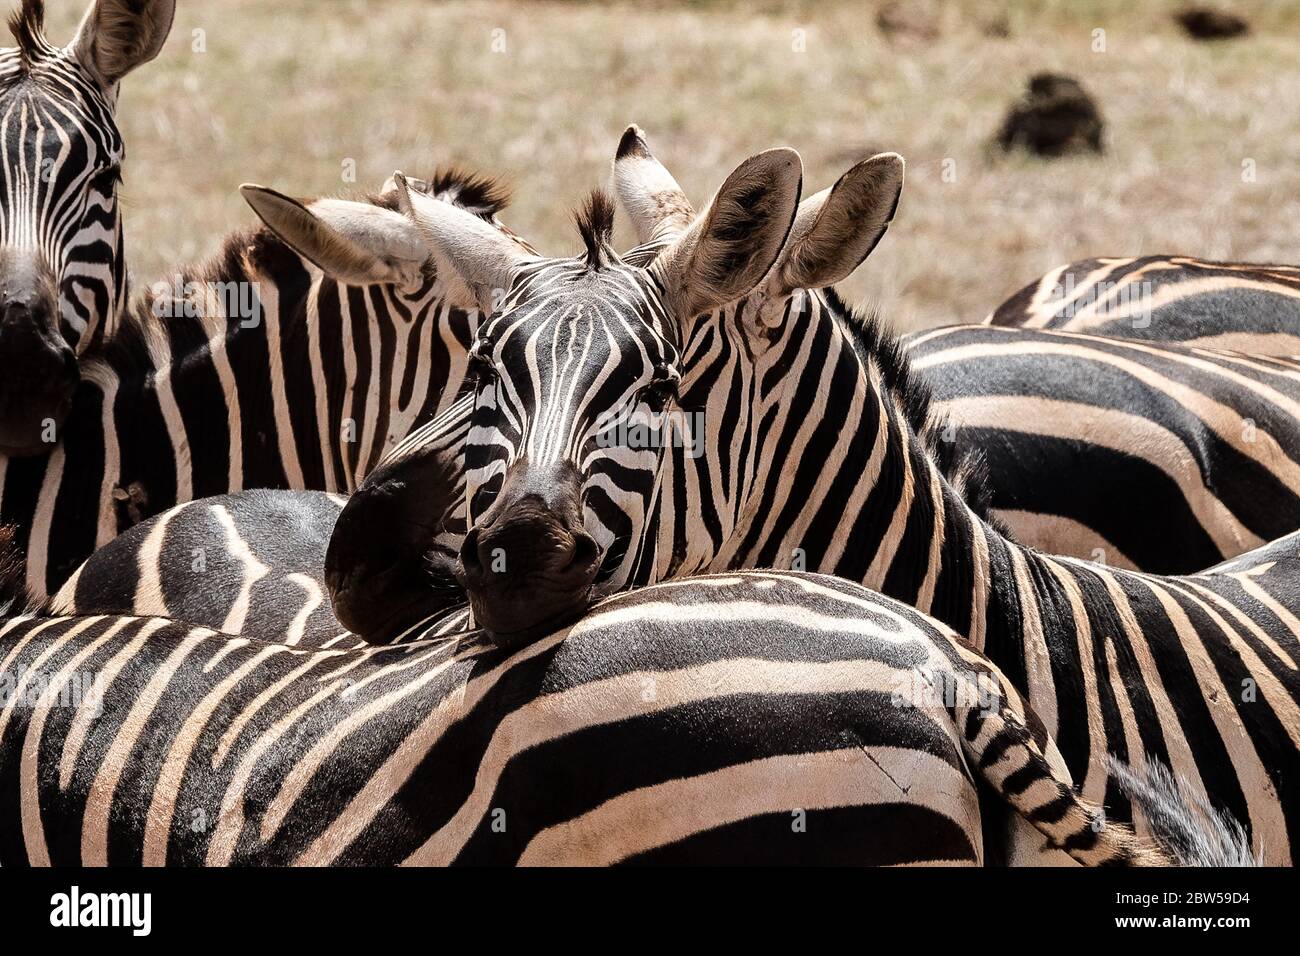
287, 91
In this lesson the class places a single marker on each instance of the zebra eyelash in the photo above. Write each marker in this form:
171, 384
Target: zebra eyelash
106, 179
664, 386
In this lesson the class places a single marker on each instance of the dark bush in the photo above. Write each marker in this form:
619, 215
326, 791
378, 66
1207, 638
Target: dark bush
1055, 117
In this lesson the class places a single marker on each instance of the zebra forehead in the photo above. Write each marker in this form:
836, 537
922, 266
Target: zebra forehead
59, 82
565, 289
605, 314
44, 123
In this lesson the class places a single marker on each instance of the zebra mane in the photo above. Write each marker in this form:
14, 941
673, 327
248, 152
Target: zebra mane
27, 24
595, 221
484, 196
911, 395
14, 598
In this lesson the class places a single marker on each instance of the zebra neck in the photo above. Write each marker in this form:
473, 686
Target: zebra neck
840, 475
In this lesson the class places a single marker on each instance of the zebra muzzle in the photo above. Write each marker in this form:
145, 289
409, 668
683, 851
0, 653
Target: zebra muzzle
527, 573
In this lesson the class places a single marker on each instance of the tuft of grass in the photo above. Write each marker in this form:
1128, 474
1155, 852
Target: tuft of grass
293, 94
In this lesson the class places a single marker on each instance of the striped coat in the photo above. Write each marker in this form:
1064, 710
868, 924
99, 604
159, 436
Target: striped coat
754, 718
254, 370
1144, 456
1251, 307
1198, 673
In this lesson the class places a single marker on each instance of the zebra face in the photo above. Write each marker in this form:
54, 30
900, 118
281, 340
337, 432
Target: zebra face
62, 278
571, 378
575, 367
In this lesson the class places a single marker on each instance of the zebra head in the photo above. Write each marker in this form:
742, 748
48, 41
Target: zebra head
577, 355
62, 275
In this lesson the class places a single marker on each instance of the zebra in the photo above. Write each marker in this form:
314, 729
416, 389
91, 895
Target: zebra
296, 358
1250, 307
1151, 457
759, 717
820, 453
247, 562
63, 282
310, 566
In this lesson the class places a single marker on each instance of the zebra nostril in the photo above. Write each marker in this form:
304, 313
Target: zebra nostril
469, 556
15, 314
586, 552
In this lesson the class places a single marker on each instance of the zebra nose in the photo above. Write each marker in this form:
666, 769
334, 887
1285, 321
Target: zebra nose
33, 350
527, 572
22, 311
531, 543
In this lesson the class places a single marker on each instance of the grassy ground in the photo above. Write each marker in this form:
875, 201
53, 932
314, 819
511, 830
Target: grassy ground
293, 93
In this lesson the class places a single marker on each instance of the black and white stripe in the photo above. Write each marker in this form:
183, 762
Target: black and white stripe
1251, 307
283, 562
249, 562
1142, 455
821, 454
760, 718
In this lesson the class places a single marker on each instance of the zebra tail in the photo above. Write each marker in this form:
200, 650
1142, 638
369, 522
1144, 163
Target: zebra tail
1008, 757
1189, 829
14, 598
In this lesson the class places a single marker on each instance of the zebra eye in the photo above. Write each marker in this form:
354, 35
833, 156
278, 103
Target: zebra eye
107, 178
663, 384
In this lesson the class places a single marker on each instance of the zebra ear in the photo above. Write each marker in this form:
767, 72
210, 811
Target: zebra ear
352, 242
420, 185
482, 256
838, 228
116, 36
730, 248
646, 190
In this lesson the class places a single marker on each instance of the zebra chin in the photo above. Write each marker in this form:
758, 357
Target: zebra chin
515, 619
547, 581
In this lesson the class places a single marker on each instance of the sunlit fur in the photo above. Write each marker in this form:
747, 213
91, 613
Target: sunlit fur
761, 718
1150, 455
1250, 306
